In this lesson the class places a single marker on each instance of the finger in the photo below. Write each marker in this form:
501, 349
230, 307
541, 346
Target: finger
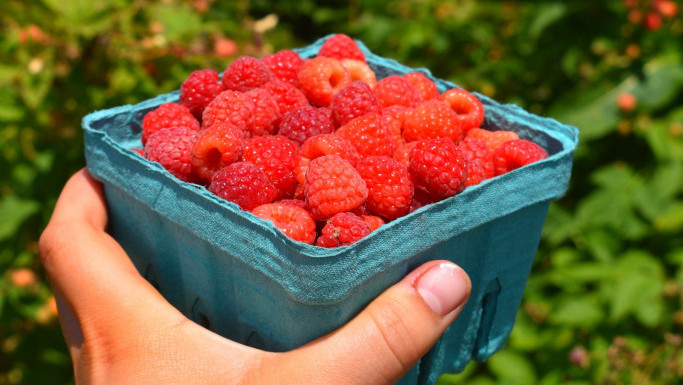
393, 332
93, 273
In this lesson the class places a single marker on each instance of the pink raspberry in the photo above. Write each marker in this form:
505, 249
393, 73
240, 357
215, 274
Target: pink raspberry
343, 229
395, 89
341, 46
321, 78
199, 89
295, 222
516, 153
306, 122
284, 65
277, 157
172, 148
390, 190
266, 115
245, 73
229, 107
438, 167
288, 97
352, 101
469, 109
360, 70
167, 115
243, 183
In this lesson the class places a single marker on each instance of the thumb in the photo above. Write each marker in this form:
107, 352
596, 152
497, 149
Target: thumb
393, 332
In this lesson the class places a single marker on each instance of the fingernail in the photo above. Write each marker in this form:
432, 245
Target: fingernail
443, 287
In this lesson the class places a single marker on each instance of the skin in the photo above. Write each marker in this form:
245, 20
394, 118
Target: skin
120, 330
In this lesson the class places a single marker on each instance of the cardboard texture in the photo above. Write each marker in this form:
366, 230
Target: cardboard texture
240, 277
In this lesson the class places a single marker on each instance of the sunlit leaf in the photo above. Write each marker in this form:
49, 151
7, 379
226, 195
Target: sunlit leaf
512, 368
581, 312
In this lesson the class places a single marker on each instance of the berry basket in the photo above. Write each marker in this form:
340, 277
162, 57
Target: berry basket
239, 276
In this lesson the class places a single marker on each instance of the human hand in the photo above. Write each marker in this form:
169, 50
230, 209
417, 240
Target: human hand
120, 330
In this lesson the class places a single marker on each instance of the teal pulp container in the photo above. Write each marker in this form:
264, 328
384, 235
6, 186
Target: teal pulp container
240, 277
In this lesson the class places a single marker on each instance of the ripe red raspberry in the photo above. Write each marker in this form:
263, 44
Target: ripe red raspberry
321, 78
421, 199
284, 65
343, 229
245, 73
360, 70
266, 116
167, 115
516, 153
475, 172
438, 167
476, 149
333, 186
432, 119
321, 145
373, 221
341, 46
172, 148
369, 135
402, 153
468, 107
243, 183
229, 107
277, 157
293, 202
352, 101
217, 146
390, 190
395, 118
394, 89
294, 221
199, 89
306, 122
493, 139
288, 97
424, 85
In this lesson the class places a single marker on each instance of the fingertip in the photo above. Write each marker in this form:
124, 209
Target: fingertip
444, 286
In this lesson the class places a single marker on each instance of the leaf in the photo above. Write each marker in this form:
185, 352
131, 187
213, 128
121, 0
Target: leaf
670, 220
637, 289
13, 212
512, 368
581, 312
546, 15
663, 82
178, 20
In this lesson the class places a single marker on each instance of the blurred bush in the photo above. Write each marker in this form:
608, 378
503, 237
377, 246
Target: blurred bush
603, 304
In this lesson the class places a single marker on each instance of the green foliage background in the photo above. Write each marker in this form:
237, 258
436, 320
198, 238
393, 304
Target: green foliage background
603, 303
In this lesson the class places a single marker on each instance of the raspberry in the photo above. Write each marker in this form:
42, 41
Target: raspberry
373, 221
424, 85
394, 89
469, 109
295, 222
216, 147
390, 190
284, 65
306, 122
245, 73
432, 119
199, 89
287, 96
341, 46
476, 149
438, 167
293, 202
395, 118
243, 183
229, 107
421, 199
343, 229
321, 78
353, 101
266, 116
360, 70
402, 153
333, 186
475, 172
493, 139
277, 157
167, 115
172, 148
516, 153
321, 145
369, 135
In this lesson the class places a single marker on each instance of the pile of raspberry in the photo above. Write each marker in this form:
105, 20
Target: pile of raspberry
324, 149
